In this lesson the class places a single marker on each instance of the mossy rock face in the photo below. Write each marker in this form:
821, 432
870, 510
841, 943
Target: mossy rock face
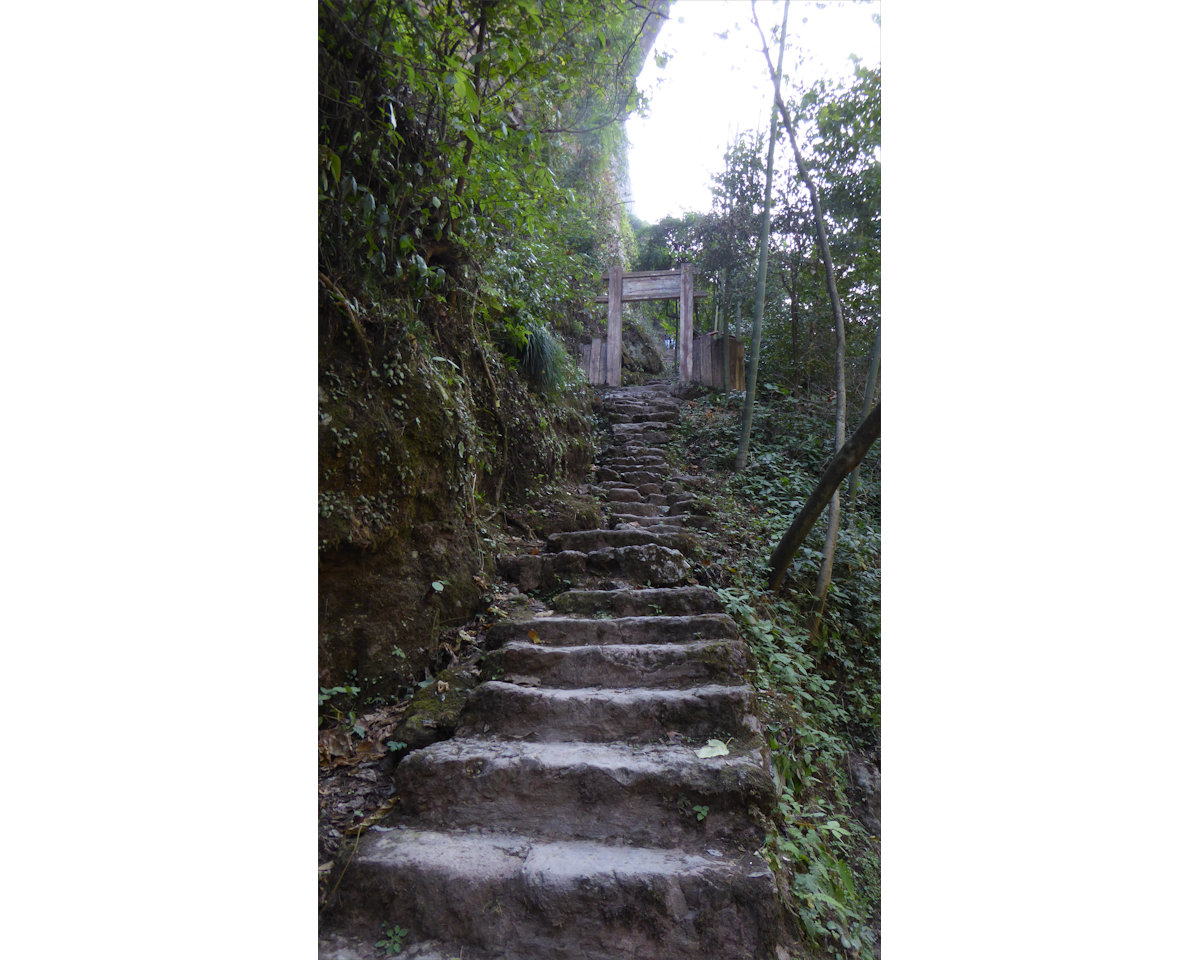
417, 445
639, 353
435, 709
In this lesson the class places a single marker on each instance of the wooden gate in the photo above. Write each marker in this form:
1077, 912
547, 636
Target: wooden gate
602, 359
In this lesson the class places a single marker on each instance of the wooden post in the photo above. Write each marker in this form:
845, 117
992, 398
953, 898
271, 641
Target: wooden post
685, 323
614, 326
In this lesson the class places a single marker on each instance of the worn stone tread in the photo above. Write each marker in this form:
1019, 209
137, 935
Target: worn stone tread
619, 664
589, 541
569, 631
576, 898
638, 715
641, 793
670, 601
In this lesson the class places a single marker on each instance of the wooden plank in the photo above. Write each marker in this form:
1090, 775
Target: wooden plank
644, 273
696, 294
614, 327
708, 366
685, 323
650, 288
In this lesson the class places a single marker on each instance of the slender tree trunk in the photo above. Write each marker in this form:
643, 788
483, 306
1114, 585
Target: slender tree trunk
760, 295
868, 399
793, 295
724, 334
846, 459
831, 284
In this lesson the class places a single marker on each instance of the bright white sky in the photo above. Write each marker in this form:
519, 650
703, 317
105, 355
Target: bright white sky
713, 88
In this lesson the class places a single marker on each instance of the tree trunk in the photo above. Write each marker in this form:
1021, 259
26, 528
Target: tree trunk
724, 334
835, 301
868, 399
760, 295
845, 460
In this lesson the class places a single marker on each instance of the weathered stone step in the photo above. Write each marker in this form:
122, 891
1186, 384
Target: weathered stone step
640, 478
640, 404
642, 794
664, 414
632, 521
602, 714
503, 896
676, 602
569, 631
632, 449
641, 509
339, 946
690, 664
646, 464
630, 476
647, 433
649, 563
588, 541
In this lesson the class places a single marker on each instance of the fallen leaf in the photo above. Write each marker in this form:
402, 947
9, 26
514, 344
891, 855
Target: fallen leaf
533, 635
714, 748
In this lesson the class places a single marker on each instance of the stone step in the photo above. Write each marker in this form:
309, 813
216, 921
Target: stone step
648, 563
339, 946
630, 477
671, 602
647, 484
665, 415
503, 896
601, 714
643, 794
647, 433
641, 509
588, 541
571, 632
642, 464
633, 449
664, 664
632, 521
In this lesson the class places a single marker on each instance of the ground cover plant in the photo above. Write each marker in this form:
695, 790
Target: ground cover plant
819, 690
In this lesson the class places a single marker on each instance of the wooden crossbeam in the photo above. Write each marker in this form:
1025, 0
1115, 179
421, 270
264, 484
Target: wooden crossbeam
645, 285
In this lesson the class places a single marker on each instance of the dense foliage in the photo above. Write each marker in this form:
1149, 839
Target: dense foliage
461, 146
467, 204
819, 694
842, 119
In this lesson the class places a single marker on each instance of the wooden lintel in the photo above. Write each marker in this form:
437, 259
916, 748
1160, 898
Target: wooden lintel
696, 295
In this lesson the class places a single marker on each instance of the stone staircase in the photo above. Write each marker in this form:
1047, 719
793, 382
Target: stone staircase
570, 816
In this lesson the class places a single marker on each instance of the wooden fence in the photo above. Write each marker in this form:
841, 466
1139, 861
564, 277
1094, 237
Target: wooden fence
708, 366
594, 360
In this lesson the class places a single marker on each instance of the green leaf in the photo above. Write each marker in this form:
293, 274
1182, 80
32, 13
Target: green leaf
714, 748
438, 585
